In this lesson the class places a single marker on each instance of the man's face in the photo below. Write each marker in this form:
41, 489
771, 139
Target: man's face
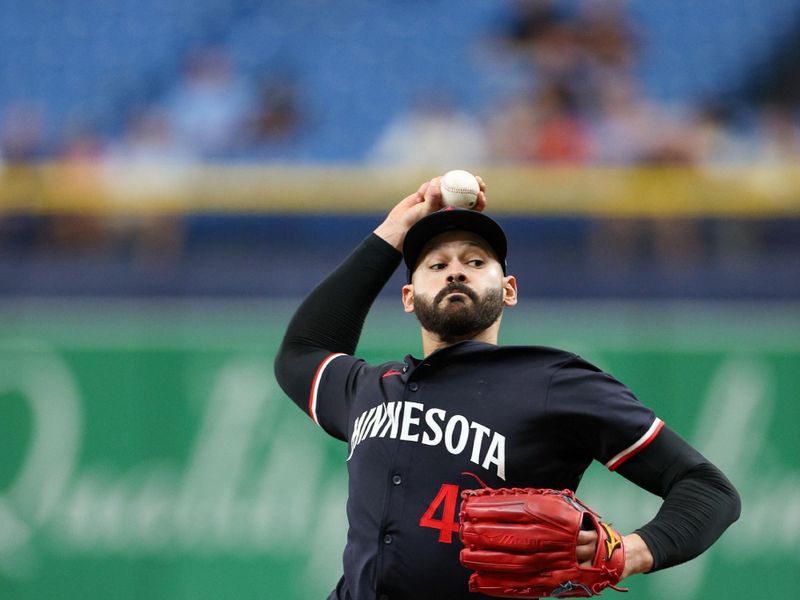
458, 288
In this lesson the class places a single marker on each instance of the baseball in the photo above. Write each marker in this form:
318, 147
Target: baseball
460, 189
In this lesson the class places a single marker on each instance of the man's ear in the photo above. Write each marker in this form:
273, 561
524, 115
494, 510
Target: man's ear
509, 290
408, 298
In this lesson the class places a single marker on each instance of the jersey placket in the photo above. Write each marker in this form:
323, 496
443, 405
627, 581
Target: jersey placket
398, 475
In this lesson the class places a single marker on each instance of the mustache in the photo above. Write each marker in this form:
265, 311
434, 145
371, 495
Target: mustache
455, 286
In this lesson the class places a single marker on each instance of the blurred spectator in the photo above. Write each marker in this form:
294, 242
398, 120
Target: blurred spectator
80, 231
576, 49
777, 135
23, 135
588, 107
720, 141
79, 166
149, 139
543, 34
148, 165
22, 145
547, 129
629, 129
512, 131
562, 135
556, 53
718, 138
530, 20
277, 116
607, 36
433, 134
208, 108
624, 123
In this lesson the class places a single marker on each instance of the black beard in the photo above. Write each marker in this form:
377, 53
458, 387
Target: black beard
456, 319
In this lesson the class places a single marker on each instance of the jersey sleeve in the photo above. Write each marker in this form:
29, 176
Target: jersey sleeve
332, 389
600, 414
315, 364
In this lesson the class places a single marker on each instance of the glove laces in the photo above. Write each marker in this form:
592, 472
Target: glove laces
601, 585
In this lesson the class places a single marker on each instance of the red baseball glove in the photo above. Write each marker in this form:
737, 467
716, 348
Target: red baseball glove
522, 543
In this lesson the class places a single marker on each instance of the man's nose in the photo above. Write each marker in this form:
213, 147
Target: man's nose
460, 277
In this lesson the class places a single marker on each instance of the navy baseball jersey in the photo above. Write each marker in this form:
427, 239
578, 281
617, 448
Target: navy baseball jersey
470, 414
420, 431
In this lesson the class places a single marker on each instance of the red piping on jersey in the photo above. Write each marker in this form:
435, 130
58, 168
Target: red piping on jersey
391, 372
637, 447
480, 481
312, 395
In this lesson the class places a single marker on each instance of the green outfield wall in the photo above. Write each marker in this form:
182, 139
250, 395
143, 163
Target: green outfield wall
147, 451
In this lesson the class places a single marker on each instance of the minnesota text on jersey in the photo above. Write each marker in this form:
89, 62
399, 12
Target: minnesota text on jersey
412, 422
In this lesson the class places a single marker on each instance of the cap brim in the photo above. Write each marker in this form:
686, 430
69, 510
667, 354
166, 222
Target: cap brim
451, 219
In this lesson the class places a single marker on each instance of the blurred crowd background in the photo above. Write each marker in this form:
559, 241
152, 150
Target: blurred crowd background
106, 88
176, 174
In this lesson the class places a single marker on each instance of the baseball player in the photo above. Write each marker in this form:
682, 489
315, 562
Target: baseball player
440, 445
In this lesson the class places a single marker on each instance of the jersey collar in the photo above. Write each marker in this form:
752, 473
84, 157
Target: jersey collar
457, 349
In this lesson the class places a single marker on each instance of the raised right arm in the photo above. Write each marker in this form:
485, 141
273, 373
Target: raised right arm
330, 319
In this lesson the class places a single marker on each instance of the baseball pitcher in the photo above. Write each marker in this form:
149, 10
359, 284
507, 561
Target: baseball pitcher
463, 463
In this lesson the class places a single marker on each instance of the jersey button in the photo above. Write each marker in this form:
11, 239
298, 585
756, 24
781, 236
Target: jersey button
387, 539
413, 386
397, 480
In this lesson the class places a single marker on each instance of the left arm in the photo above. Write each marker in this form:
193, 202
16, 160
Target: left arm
699, 501
699, 505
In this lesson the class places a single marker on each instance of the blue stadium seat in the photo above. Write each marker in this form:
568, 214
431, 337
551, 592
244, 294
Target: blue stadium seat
360, 61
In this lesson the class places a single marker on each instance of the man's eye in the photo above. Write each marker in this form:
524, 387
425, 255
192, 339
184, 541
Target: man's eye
476, 262
437, 266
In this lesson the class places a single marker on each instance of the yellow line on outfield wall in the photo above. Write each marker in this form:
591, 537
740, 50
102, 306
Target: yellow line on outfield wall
758, 192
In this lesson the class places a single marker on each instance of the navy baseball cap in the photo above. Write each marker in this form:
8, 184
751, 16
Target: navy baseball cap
450, 219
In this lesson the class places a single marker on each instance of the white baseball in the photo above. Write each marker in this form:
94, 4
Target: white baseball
460, 189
